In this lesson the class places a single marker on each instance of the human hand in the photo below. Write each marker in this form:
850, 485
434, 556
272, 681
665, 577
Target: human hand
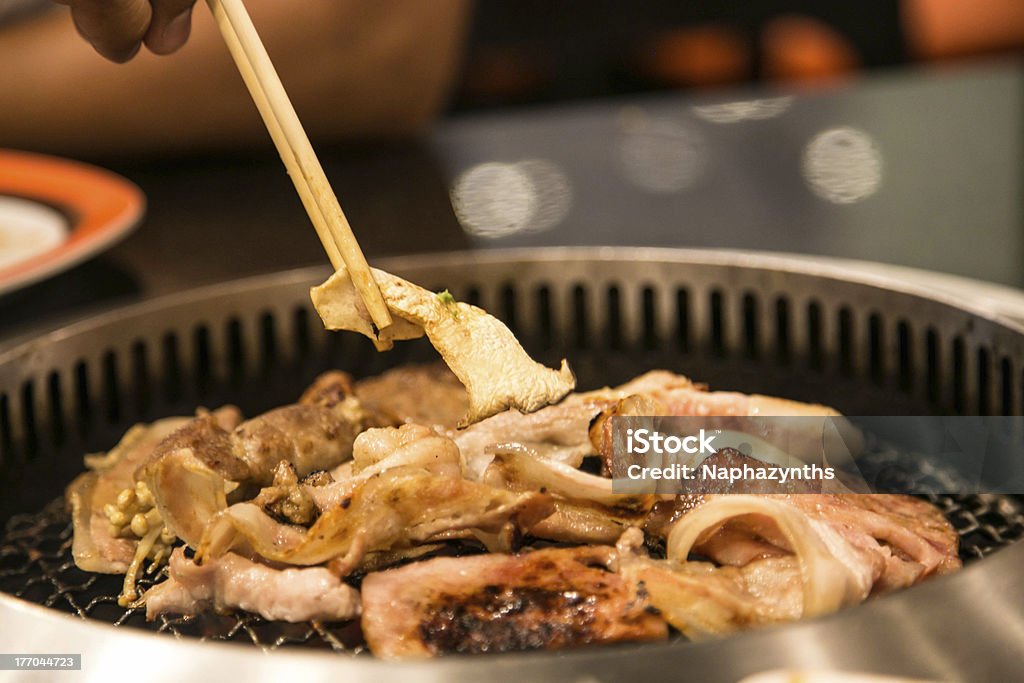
118, 28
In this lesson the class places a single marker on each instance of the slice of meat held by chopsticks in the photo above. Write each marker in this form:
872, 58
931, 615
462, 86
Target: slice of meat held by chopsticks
304, 168
483, 353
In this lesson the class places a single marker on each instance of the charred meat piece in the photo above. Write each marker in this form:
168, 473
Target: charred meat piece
547, 599
729, 458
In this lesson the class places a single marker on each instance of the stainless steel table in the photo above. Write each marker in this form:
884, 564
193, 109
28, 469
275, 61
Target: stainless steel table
913, 168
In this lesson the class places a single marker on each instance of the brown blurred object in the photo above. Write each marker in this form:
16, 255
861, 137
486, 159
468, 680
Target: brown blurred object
500, 73
805, 50
707, 55
549, 50
354, 69
937, 29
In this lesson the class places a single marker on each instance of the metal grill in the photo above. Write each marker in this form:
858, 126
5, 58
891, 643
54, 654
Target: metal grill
36, 565
756, 324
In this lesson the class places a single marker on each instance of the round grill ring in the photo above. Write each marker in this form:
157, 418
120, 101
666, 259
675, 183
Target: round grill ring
737, 321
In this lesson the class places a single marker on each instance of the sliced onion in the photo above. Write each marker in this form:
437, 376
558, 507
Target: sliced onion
515, 466
187, 493
828, 582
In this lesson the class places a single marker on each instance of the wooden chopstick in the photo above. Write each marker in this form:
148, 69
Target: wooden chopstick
297, 153
277, 135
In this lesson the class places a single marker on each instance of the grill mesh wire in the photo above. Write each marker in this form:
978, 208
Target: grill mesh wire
36, 565
720, 333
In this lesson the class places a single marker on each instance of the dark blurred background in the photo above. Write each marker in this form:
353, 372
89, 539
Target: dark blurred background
548, 50
883, 130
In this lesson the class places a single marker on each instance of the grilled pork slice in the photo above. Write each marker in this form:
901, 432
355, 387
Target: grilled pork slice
394, 509
423, 394
314, 434
910, 537
899, 538
483, 353
547, 599
580, 424
703, 600
233, 582
556, 433
832, 572
782, 557
662, 393
188, 471
97, 547
586, 509
681, 396
833, 550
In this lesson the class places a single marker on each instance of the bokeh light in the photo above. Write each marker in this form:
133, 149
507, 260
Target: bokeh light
743, 110
660, 155
843, 165
498, 199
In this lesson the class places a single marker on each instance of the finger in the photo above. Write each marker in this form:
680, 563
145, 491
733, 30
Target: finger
170, 27
114, 27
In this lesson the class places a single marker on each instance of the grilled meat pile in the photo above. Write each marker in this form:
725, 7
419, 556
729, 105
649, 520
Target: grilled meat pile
350, 504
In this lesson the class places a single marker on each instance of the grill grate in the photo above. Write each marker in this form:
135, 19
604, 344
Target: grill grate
36, 565
731, 321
